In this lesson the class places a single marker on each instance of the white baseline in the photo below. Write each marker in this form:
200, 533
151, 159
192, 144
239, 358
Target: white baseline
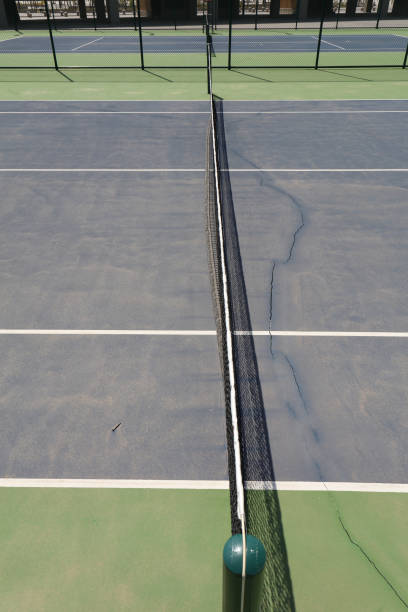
209, 485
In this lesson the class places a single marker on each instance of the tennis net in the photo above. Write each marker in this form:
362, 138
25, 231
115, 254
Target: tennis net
253, 499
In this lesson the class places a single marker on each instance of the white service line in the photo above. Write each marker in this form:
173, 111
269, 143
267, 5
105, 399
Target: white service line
277, 112
102, 170
107, 170
315, 112
198, 332
327, 334
316, 170
210, 485
107, 332
329, 43
106, 112
85, 44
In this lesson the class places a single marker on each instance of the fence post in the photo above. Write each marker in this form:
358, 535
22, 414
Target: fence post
47, 12
94, 14
297, 13
134, 14
404, 65
338, 15
139, 19
319, 42
53, 15
229, 34
379, 13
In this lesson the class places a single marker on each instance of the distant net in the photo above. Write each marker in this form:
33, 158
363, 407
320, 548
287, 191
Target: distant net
253, 499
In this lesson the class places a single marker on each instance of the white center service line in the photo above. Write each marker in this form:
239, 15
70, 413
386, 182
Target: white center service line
88, 43
211, 485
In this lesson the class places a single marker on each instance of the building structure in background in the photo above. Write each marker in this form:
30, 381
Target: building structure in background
184, 11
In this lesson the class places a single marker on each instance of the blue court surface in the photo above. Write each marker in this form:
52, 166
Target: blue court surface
197, 44
106, 312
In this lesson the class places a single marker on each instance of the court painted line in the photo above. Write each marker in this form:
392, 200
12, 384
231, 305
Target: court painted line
357, 487
107, 170
329, 43
316, 170
198, 332
277, 112
315, 112
327, 334
107, 332
106, 112
212, 485
88, 43
102, 170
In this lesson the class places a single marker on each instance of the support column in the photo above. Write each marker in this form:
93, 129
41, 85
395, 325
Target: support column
274, 9
100, 11
400, 8
113, 11
8, 13
351, 8
303, 9
3, 16
82, 9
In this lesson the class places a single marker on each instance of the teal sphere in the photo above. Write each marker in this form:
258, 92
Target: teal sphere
255, 555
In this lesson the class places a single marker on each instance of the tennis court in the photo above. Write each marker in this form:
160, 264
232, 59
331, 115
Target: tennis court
110, 365
187, 48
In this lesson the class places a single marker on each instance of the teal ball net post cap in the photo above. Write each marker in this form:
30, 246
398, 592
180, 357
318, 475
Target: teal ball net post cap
232, 575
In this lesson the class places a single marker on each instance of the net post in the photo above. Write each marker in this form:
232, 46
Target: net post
233, 579
47, 12
404, 65
139, 20
297, 14
256, 14
319, 42
229, 34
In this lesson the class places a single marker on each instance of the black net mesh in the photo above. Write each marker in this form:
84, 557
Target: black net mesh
263, 516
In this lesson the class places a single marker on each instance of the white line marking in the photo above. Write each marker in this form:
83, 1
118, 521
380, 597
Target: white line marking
316, 170
329, 334
360, 487
107, 332
198, 332
329, 43
316, 112
106, 112
102, 170
93, 483
106, 170
211, 485
400, 36
88, 43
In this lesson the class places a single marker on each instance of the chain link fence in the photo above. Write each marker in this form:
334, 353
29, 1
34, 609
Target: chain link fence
243, 33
